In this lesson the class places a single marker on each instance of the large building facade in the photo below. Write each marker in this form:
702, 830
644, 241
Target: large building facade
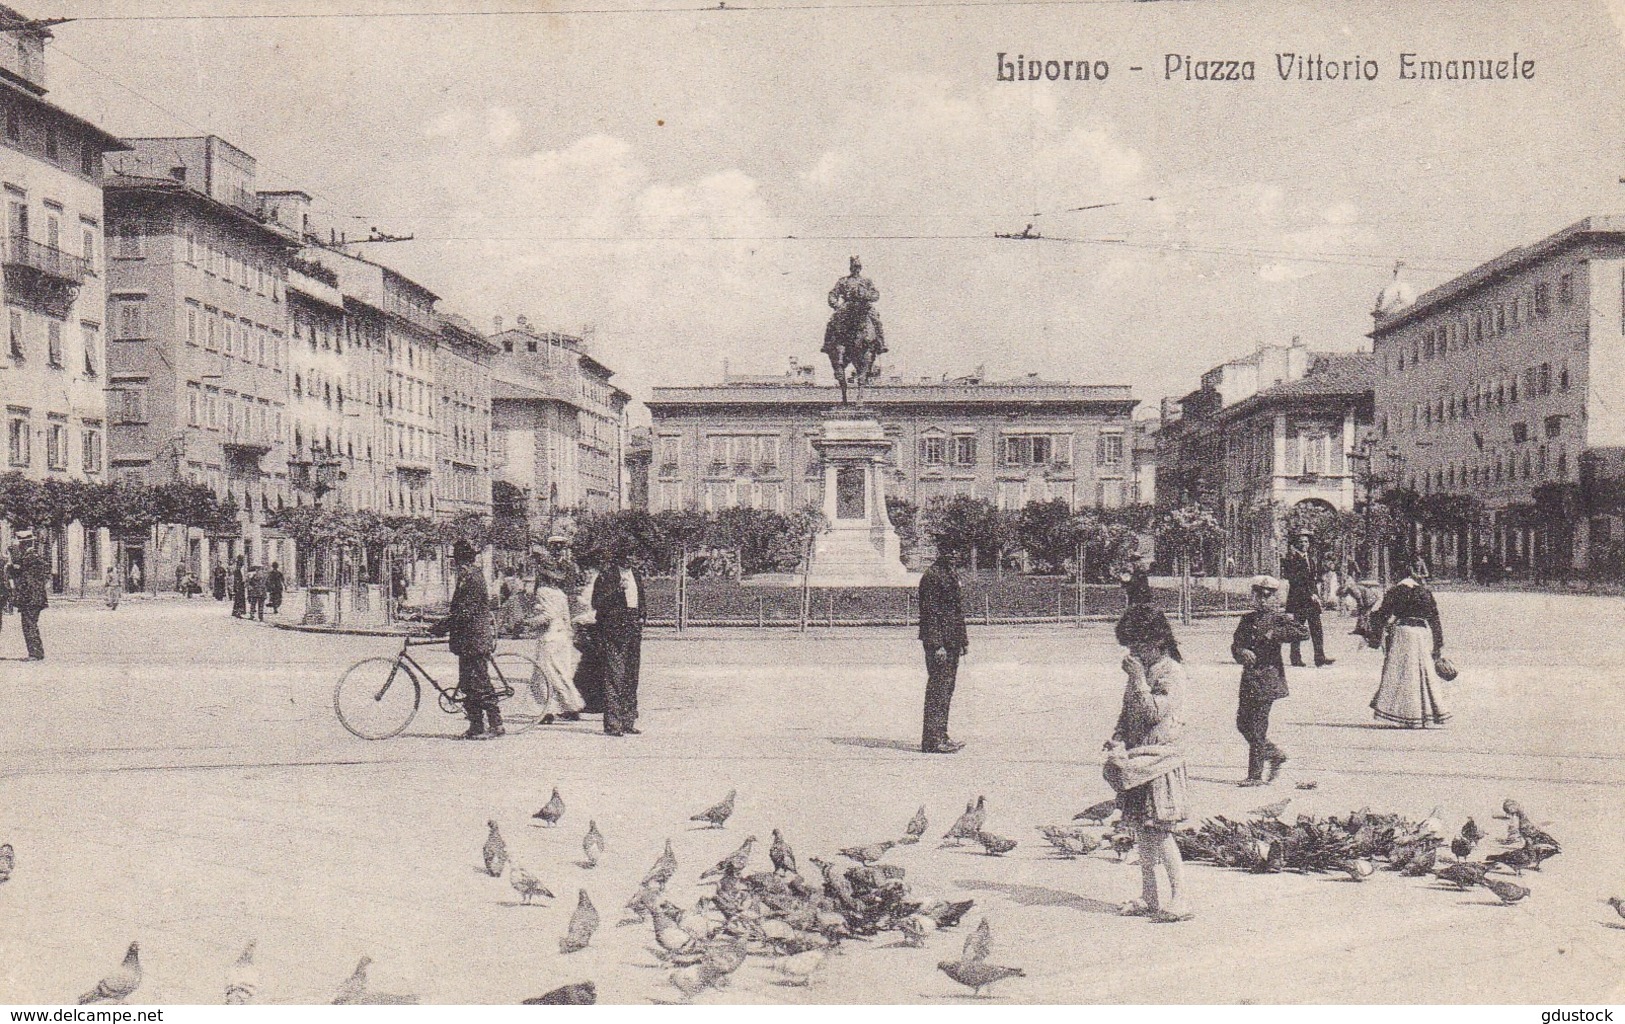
197, 354
558, 423
1502, 384
748, 442
53, 365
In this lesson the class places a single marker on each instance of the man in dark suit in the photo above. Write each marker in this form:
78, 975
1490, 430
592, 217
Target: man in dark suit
472, 639
30, 585
1302, 599
1257, 646
942, 634
619, 608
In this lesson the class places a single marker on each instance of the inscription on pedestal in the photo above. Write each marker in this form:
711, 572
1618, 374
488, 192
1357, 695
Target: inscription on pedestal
849, 496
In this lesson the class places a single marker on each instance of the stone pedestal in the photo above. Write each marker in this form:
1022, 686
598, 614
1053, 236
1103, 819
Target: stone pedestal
860, 548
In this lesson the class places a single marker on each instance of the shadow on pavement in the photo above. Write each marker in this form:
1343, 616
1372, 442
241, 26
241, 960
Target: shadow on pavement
1040, 896
875, 744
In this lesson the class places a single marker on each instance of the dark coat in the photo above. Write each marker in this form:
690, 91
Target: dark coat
609, 600
275, 581
1301, 582
1263, 633
30, 582
468, 627
942, 616
1137, 586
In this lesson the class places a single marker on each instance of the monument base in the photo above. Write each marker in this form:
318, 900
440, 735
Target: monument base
860, 546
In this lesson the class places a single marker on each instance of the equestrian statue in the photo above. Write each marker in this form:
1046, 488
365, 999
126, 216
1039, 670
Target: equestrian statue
854, 339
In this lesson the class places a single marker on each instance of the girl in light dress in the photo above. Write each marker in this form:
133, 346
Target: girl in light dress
1145, 758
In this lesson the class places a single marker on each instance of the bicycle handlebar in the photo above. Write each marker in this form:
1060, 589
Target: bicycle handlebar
425, 641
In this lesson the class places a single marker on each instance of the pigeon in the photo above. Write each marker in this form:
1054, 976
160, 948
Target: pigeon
946, 913
526, 885
916, 827
1097, 814
1511, 809
734, 863
8, 860
969, 823
976, 974
582, 924
117, 987
1535, 836
1507, 892
1274, 810
915, 928
643, 902
1462, 847
671, 937
496, 852
581, 993
355, 986
243, 980
995, 846
592, 844
665, 867
1464, 874
1517, 860
1618, 905
1069, 842
1358, 870
979, 943
1432, 825
717, 815
784, 858
868, 854
551, 811
1471, 832
799, 968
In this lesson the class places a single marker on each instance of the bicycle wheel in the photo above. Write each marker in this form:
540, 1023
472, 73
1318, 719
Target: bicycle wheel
513, 671
376, 698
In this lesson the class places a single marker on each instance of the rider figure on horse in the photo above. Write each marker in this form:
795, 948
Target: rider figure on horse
853, 299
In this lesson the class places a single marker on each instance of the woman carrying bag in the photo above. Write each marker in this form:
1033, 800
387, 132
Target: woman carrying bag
1413, 654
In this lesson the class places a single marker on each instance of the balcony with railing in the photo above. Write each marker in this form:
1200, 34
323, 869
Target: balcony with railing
33, 257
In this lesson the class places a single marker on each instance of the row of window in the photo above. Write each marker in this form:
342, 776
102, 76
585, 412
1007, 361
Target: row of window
1473, 328
714, 496
759, 453
54, 439
1537, 382
24, 344
1502, 467
49, 139
206, 246
240, 416
212, 329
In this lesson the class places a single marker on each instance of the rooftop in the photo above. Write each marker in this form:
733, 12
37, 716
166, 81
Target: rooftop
1352, 375
889, 393
1611, 228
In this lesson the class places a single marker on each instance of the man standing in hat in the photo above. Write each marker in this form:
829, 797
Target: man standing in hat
30, 585
942, 634
1302, 601
1257, 646
473, 640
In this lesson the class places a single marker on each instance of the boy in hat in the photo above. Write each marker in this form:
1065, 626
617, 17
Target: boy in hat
1257, 646
472, 639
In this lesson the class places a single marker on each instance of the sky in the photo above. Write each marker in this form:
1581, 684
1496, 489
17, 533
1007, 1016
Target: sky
690, 183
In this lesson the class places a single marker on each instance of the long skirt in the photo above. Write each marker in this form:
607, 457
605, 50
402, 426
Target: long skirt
1409, 694
589, 674
552, 684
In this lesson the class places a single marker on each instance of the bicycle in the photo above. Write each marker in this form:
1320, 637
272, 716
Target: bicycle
377, 698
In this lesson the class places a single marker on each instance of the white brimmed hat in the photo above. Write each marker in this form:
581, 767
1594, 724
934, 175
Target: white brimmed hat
1266, 584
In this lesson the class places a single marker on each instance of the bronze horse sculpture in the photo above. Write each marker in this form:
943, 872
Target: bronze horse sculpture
854, 338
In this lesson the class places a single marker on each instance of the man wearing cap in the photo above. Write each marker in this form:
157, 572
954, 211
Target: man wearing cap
1257, 646
557, 558
472, 639
1302, 601
30, 585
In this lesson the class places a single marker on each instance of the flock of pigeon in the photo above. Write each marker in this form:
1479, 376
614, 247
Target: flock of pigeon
799, 923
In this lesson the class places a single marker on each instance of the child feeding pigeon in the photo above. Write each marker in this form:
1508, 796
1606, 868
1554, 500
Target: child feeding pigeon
1145, 759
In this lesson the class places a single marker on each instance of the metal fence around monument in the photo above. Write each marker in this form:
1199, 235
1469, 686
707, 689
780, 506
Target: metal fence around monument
988, 600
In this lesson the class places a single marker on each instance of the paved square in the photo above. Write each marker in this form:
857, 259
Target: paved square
178, 777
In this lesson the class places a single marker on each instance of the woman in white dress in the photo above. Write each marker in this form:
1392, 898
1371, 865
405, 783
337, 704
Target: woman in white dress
553, 682
1409, 694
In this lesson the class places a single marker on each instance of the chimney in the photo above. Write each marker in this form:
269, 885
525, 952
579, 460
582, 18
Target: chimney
496, 323
524, 322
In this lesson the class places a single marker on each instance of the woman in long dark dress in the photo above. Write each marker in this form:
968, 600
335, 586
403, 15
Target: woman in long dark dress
1409, 694
589, 674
